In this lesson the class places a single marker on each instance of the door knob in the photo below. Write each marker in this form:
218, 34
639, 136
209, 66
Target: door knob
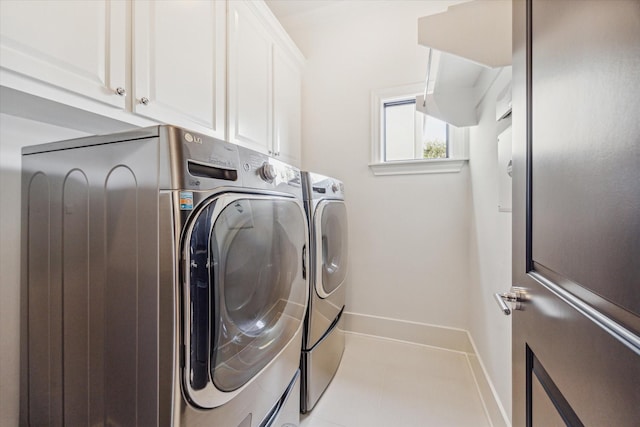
516, 296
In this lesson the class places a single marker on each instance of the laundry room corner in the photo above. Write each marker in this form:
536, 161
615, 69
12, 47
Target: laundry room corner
416, 240
490, 252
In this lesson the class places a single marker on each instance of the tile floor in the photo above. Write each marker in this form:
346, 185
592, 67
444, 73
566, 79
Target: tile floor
386, 383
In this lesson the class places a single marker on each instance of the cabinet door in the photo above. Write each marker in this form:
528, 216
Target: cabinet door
286, 108
250, 79
79, 46
179, 57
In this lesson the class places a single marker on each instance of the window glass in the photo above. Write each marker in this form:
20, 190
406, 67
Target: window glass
435, 138
399, 130
411, 135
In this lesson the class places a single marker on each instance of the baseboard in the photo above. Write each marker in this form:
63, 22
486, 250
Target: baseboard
452, 339
419, 333
492, 404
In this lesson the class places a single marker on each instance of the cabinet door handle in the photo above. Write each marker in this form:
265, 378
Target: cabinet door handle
144, 100
120, 91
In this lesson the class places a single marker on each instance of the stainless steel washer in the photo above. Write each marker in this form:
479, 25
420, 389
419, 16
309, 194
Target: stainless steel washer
165, 283
323, 339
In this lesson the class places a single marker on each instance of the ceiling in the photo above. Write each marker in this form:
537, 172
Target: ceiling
283, 9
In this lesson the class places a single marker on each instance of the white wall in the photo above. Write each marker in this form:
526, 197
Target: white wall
408, 234
490, 249
15, 132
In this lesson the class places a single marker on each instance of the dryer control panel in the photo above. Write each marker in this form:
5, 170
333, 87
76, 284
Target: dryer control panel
201, 163
263, 172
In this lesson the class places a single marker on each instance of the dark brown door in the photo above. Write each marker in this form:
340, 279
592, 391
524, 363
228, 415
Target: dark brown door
576, 130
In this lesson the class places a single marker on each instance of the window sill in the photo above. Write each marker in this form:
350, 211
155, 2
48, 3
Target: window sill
413, 167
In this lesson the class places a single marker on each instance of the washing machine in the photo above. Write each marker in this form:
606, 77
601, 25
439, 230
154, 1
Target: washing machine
164, 283
323, 337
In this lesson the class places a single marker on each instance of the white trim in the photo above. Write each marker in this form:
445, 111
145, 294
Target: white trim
269, 20
412, 167
490, 399
458, 139
403, 330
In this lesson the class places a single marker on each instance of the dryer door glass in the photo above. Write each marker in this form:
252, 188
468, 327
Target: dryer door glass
256, 252
332, 244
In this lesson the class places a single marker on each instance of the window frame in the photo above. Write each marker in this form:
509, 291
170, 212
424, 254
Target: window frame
457, 146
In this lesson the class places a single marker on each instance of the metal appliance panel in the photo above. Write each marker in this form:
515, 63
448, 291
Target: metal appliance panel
286, 412
256, 399
320, 193
323, 341
91, 289
321, 364
101, 326
324, 307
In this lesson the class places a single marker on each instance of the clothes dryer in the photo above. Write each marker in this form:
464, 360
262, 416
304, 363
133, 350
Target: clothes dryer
323, 338
164, 283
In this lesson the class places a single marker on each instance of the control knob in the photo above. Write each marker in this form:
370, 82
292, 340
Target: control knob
334, 187
268, 172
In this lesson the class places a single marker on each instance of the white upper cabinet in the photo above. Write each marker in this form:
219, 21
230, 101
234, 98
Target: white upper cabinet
81, 48
287, 100
250, 79
179, 63
222, 68
264, 82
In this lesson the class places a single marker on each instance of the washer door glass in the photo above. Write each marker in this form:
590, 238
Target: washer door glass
256, 251
331, 231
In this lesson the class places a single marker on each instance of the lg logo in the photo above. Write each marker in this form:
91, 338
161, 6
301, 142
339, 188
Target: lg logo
192, 138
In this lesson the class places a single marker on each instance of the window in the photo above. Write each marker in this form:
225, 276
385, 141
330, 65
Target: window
409, 134
405, 141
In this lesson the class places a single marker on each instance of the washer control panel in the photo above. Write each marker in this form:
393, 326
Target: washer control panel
321, 187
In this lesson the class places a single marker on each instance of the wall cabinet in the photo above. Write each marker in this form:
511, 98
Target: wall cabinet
264, 83
250, 76
287, 102
81, 49
147, 62
179, 63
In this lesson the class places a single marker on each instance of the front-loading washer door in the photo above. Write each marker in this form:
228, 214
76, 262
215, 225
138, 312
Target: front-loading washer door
245, 291
331, 250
